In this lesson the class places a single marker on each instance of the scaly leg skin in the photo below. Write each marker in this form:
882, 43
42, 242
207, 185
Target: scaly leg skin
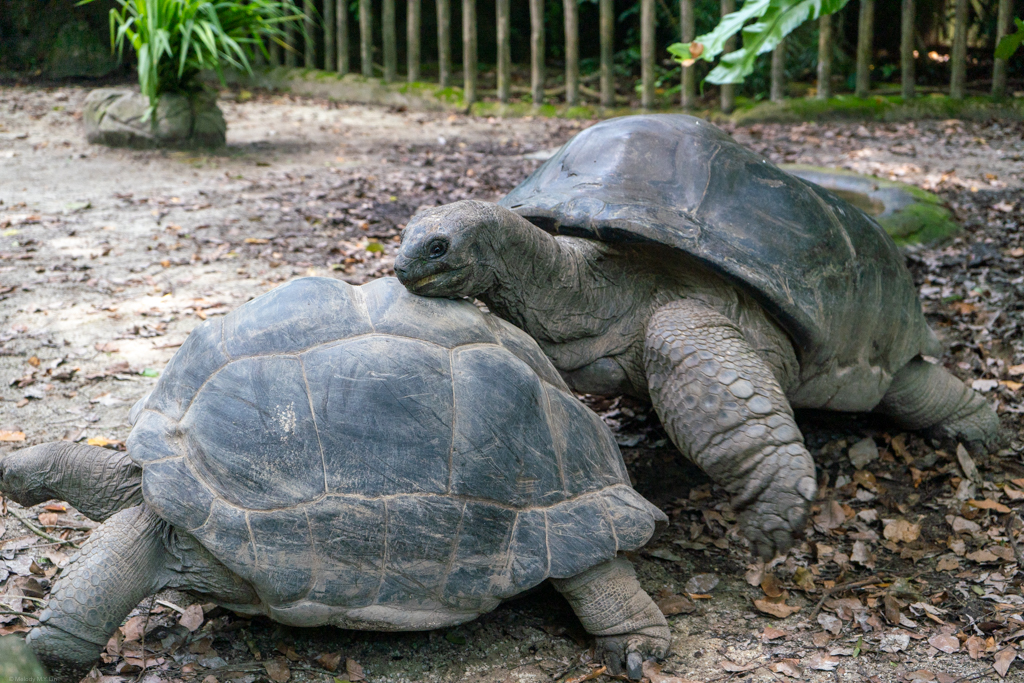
725, 411
612, 606
120, 564
97, 482
925, 396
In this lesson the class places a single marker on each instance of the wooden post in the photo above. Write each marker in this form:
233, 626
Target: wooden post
341, 15
291, 56
607, 28
444, 42
537, 50
728, 90
687, 30
647, 53
778, 85
865, 45
824, 57
1004, 24
571, 9
412, 37
329, 62
504, 50
390, 40
309, 42
366, 38
907, 49
469, 56
958, 58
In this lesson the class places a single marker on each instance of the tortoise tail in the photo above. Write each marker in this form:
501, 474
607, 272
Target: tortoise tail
98, 482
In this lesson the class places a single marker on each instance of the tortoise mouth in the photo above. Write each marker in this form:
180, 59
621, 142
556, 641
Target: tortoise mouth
444, 283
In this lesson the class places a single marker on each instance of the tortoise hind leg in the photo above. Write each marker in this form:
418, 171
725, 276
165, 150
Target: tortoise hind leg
96, 481
925, 396
121, 563
612, 606
725, 411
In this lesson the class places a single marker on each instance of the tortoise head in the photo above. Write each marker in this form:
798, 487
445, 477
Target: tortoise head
448, 251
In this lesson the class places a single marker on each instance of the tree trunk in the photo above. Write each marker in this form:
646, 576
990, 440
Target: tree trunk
366, 38
444, 42
329, 62
309, 42
824, 57
647, 53
1004, 24
504, 50
778, 87
291, 55
537, 50
728, 90
907, 49
958, 59
687, 30
341, 15
390, 40
469, 56
572, 51
607, 27
412, 37
865, 45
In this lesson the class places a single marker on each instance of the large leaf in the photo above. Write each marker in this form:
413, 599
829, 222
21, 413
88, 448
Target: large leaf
1009, 43
775, 19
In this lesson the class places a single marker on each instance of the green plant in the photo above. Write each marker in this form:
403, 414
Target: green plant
774, 20
176, 39
1009, 43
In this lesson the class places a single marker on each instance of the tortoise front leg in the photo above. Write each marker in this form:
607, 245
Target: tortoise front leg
612, 606
121, 563
724, 409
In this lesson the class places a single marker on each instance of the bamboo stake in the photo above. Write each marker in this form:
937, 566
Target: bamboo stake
865, 45
728, 90
537, 50
504, 50
824, 57
330, 64
1004, 23
907, 49
309, 40
571, 10
778, 85
647, 53
607, 27
390, 40
469, 56
444, 42
412, 37
341, 16
687, 30
958, 58
366, 38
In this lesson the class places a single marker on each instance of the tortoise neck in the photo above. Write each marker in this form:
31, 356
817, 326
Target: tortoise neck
545, 286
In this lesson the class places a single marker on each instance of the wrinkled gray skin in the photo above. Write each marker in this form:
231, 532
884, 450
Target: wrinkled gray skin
360, 457
617, 312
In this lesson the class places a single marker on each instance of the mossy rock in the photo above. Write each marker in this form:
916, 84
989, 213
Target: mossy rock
118, 118
78, 51
18, 664
909, 214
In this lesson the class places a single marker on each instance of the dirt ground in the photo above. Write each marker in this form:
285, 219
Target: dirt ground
108, 258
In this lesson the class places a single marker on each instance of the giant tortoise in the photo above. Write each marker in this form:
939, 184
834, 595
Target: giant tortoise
356, 456
690, 271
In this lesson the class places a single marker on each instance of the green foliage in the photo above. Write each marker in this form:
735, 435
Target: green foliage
773, 21
176, 39
1009, 43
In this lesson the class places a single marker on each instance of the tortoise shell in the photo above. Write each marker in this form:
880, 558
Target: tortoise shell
359, 454
826, 271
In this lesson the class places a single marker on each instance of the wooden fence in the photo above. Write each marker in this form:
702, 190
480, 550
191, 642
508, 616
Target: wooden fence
327, 29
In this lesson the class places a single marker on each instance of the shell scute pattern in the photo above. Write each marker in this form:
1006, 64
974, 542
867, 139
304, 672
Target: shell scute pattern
438, 495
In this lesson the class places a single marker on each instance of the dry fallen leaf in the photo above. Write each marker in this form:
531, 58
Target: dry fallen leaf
771, 586
6, 435
733, 667
945, 643
1003, 659
354, 670
832, 516
830, 623
789, 667
670, 604
329, 660
901, 531
701, 583
967, 465
975, 647
772, 633
192, 619
278, 670
777, 609
982, 556
947, 564
821, 662
987, 504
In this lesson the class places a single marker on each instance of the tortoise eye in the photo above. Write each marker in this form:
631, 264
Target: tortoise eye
437, 248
